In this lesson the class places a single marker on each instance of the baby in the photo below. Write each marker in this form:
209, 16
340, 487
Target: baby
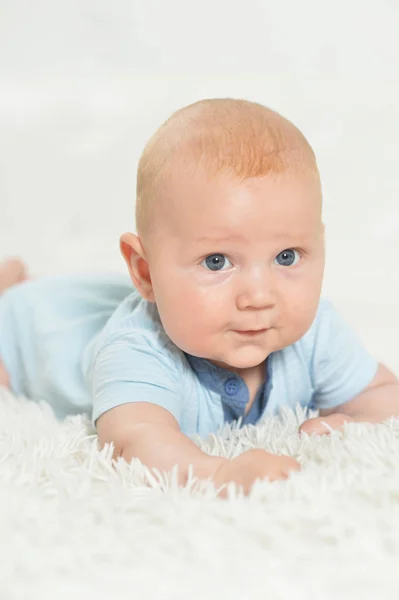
224, 319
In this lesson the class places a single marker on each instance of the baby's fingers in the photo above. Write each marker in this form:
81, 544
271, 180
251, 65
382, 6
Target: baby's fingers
325, 425
316, 425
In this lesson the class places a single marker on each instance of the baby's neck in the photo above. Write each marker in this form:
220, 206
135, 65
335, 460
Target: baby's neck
254, 382
253, 377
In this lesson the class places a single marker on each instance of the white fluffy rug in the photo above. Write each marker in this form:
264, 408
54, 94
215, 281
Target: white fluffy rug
72, 526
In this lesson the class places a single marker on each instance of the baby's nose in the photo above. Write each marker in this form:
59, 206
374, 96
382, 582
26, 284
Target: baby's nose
256, 290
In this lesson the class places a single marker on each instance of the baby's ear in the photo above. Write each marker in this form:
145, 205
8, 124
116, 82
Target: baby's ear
134, 255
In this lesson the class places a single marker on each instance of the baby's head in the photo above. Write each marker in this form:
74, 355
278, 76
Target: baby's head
230, 237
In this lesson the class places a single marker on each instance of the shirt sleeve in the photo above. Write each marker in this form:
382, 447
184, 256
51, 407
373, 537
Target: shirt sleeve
342, 368
132, 368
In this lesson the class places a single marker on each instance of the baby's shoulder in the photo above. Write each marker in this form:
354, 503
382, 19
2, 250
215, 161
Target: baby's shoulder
135, 317
327, 337
320, 330
136, 329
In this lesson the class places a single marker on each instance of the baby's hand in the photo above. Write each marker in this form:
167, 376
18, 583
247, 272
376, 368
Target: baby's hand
324, 425
252, 465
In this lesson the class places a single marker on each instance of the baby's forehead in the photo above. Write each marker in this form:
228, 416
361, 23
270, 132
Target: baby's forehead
228, 217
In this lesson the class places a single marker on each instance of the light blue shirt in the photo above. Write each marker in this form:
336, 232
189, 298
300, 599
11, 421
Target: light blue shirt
88, 344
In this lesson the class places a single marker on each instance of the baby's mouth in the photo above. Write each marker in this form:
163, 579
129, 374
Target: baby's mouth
251, 332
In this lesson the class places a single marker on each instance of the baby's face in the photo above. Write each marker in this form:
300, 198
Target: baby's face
233, 258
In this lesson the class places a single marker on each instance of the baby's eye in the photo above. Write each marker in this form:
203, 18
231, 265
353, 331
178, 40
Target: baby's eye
215, 262
287, 258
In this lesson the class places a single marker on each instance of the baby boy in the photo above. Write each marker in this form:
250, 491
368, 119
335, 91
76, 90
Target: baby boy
225, 319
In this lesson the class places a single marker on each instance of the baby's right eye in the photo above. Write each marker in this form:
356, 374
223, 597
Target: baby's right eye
215, 262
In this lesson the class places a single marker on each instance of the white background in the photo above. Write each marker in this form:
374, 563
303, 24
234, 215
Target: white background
84, 83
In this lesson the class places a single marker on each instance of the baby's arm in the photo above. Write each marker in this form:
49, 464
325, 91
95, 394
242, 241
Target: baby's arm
350, 385
376, 403
152, 434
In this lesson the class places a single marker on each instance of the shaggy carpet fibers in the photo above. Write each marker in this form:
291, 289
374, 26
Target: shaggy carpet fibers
75, 524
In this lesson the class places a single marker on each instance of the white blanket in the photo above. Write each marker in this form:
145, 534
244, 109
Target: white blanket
74, 526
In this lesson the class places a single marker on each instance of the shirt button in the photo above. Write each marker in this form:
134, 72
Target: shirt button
231, 386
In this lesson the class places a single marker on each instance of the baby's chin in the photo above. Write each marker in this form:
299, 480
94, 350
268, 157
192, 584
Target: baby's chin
247, 358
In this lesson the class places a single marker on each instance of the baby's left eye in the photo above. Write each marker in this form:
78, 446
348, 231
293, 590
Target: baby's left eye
287, 258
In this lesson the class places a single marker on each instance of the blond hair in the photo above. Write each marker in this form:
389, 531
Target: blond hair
221, 134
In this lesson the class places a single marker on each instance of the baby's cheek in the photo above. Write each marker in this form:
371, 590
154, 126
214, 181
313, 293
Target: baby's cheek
185, 326
294, 324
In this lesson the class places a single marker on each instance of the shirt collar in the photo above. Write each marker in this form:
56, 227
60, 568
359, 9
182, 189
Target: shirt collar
220, 380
